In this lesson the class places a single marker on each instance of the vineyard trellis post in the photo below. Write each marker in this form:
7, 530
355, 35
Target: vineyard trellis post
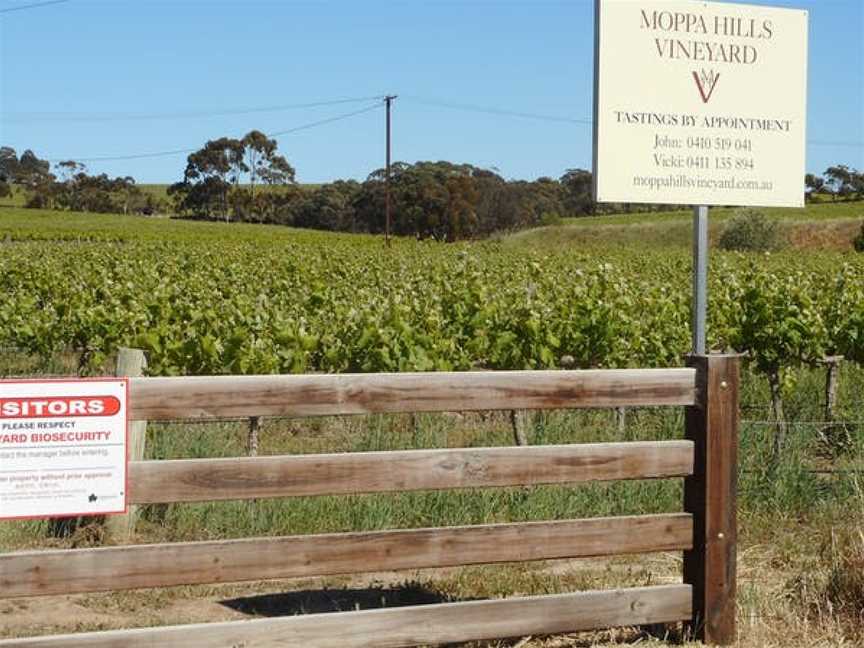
252, 436
832, 366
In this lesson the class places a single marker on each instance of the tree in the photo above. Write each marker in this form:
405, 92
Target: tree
257, 151
30, 172
577, 187
448, 201
282, 206
215, 168
265, 165
67, 189
68, 169
211, 182
329, 207
262, 161
127, 191
201, 198
277, 172
857, 183
495, 209
8, 164
814, 184
35, 176
77, 191
543, 197
839, 178
429, 200
30, 165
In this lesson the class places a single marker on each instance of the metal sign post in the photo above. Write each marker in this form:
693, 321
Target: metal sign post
700, 277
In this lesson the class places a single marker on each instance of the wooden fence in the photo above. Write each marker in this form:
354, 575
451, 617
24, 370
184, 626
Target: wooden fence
705, 531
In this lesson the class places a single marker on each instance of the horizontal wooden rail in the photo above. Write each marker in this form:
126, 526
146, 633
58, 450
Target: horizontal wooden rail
332, 394
39, 573
198, 480
407, 626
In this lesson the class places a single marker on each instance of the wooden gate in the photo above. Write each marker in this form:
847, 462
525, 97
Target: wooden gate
705, 531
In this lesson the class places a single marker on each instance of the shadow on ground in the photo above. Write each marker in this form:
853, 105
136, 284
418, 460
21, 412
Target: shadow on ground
335, 600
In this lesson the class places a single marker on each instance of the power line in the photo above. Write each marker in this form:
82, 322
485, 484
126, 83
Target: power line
417, 100
134, 156
828, 143
568, 120
327, 121
107, 117
495, 111
33, 5
141, 156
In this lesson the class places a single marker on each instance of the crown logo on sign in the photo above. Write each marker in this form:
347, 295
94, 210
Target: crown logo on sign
706, 82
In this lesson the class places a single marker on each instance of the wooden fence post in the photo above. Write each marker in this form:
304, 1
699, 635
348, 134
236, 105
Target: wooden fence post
130, 362
710, 496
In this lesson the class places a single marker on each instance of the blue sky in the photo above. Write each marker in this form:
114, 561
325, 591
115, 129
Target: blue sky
72, 73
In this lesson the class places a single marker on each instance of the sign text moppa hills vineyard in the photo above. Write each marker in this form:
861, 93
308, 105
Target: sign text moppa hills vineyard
700, 103
687, 28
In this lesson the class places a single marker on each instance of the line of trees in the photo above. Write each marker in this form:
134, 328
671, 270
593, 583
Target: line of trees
249, 180
70, 187
440, 200
27, 171
223, 181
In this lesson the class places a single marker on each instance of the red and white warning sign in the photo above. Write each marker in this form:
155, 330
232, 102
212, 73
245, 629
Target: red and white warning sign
62, 447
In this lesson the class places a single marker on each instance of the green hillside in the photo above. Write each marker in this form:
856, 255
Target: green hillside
20, 224
821, 226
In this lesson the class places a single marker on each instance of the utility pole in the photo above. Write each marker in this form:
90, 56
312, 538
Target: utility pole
387, 100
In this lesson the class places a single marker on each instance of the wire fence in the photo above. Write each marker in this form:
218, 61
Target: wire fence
824, 423
756, 421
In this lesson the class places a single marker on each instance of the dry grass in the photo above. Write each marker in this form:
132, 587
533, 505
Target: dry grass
801, 584
832, 593
823, 235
